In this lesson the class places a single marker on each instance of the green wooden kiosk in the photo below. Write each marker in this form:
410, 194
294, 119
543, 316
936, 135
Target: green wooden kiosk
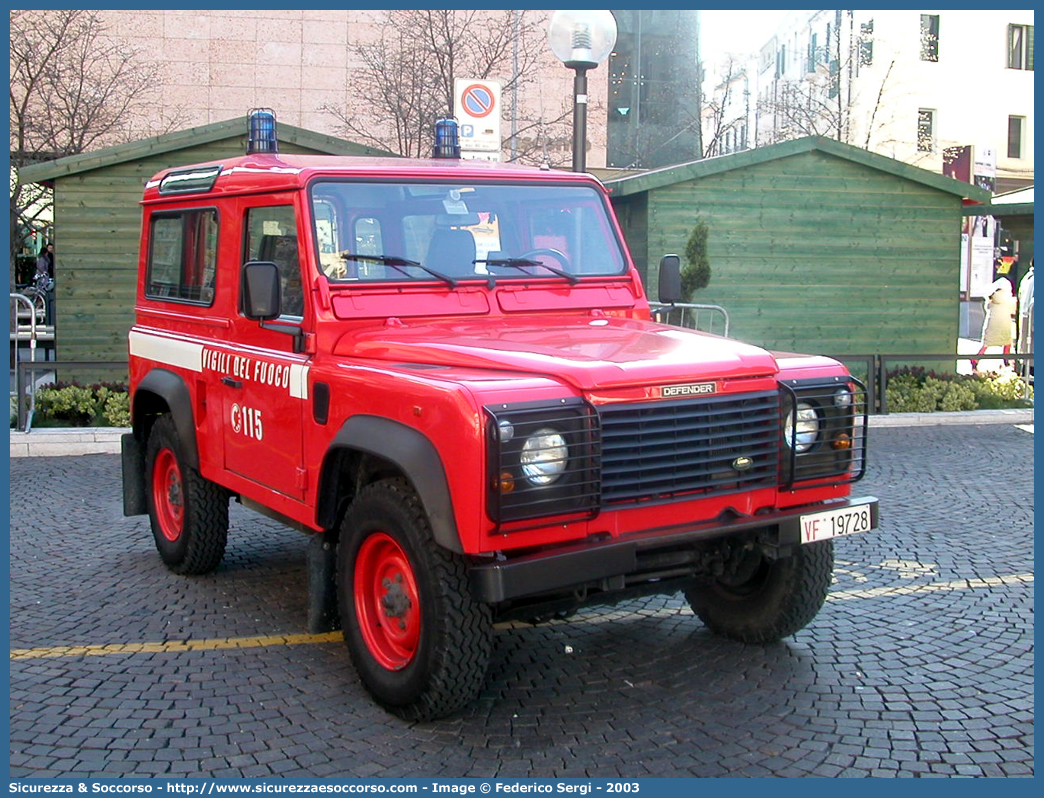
814, 245
97, 225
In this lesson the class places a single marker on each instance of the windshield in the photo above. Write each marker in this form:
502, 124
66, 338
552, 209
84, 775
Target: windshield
374, 232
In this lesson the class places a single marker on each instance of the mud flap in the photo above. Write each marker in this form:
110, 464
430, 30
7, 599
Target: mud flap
132, 457
322, 588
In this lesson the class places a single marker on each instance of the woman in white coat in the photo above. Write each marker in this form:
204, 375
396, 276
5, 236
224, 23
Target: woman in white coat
1000, 311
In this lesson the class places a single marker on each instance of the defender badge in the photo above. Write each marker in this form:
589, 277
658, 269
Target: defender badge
693, 389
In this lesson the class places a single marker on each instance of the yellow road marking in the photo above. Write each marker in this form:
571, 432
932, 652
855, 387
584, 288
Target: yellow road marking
174, 646
929, 587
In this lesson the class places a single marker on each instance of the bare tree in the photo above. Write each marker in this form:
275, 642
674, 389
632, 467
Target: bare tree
404, 81
72, 90
826, 101
720, 114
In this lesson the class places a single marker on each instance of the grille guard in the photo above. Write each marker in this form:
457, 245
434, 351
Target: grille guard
823, 464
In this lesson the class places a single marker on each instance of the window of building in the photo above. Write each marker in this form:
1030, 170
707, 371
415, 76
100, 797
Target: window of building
929, 37
1020, 47
1015, 125
834, 86
925, 130
183, 256
866, 43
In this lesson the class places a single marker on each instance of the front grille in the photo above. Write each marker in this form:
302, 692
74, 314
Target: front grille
660, 449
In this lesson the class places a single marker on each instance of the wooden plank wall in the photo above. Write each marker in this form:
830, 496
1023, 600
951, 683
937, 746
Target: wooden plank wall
97, 231
814, 253
632, 213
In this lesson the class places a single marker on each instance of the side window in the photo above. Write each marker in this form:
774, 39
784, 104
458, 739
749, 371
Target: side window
183, 256
271, 235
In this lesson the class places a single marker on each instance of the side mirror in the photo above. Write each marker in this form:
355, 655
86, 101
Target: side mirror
260, 290
670, 279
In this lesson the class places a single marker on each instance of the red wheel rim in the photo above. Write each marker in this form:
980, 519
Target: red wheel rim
168, 495
386, 601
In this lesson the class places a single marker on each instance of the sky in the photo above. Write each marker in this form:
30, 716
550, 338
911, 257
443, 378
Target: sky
736, 31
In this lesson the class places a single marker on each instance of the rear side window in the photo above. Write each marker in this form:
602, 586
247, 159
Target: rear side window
183, 256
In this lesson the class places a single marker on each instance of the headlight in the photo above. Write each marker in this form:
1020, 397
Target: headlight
842, 398
802, 439
543, 459
544, 456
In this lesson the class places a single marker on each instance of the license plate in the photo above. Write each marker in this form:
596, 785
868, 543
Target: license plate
835, 523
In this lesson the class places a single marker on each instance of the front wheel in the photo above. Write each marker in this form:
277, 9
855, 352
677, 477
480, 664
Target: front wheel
764, 600
419, 641
189, 513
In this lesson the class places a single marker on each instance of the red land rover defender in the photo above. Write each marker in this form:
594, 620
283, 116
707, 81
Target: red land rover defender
446, 372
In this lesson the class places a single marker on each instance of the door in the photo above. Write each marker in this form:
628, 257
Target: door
263, 383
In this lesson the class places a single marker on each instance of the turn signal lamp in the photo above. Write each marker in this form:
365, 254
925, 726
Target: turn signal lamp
842, 442
506, 483
262, 137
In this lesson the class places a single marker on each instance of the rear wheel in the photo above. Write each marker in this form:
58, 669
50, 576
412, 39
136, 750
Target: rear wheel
764, 600
189, 514
419, 642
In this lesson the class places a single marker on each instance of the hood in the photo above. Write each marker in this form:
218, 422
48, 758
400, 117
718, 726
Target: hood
585, 351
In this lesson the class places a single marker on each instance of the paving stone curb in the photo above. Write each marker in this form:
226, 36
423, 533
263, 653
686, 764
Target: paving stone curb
53, 442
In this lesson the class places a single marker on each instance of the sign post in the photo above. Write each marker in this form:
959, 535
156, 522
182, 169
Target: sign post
476, 104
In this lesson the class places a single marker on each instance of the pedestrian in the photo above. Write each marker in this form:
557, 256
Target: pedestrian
45, 263
1000, 312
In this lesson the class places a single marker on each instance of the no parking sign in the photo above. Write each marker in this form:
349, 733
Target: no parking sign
476, 104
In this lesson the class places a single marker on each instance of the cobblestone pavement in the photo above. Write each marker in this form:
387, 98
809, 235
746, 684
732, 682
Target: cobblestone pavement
920, 664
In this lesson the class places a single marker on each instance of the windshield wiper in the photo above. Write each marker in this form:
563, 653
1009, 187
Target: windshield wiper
399, 263
523, 263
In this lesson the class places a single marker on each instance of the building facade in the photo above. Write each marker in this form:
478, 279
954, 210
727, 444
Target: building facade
215, 65
905, 84
654, 90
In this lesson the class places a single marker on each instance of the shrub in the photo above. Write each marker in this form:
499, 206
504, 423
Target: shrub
695, 274
70, 404
116, 410
913, 390
1000, 390
73, 404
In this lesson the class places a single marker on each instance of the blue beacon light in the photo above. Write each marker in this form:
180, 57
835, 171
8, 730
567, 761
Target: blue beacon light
447, 140
262, 137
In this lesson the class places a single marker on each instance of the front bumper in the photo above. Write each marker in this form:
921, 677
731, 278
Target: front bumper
580, 563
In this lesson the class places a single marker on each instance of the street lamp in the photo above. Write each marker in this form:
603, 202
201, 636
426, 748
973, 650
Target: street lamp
581, 40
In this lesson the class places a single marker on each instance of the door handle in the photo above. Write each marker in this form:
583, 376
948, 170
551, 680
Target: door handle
231, 382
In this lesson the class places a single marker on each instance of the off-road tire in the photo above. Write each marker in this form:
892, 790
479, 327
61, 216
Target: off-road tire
189, 514
779, 598
429, 640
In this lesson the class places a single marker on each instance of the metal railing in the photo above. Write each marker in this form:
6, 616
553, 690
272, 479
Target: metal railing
874, 373
28, 314
690, 315
877, 367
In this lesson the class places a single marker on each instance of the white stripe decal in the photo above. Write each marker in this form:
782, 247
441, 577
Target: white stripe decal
170, 351
299, 381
